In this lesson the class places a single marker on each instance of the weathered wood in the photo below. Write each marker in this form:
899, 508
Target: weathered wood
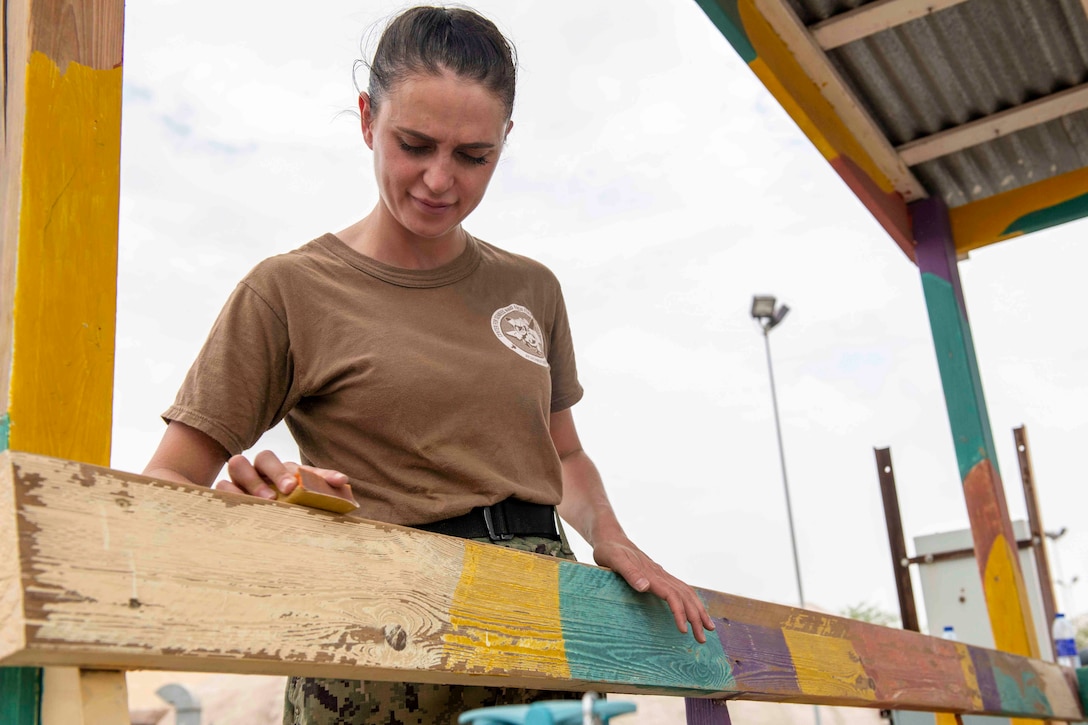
107, 569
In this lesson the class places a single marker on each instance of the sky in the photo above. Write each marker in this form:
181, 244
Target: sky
664, 186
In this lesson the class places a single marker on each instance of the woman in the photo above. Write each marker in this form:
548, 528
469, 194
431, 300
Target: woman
425, 372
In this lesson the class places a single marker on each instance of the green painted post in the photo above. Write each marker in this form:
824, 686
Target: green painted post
991, 529
22, 691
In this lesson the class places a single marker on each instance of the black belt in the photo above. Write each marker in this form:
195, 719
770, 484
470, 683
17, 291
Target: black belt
501, 521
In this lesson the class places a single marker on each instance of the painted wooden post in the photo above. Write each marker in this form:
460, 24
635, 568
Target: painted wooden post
991, 529
61, 131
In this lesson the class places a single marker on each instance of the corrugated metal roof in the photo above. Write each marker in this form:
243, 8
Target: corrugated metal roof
964, 63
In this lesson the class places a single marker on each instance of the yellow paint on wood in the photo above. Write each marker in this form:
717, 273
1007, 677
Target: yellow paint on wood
983, 222
970, 677
506, 604
66, 286
948, 718
1003, 587
828, 666
770, 81
802, 97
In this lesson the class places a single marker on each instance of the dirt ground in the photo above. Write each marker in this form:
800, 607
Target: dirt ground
253, 700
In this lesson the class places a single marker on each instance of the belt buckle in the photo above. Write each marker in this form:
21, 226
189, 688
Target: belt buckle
492, 533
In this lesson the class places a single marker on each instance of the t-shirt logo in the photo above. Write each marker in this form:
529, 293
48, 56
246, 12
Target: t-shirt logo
515, 327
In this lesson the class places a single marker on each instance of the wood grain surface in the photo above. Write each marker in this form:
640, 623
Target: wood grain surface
117, 570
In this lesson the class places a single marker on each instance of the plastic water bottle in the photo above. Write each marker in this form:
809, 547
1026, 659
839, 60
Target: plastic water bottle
1065, 647
949, 633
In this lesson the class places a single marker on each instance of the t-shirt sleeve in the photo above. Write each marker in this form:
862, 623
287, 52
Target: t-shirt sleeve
566, 390
241, 382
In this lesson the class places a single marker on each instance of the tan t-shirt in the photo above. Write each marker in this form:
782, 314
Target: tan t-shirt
431, 389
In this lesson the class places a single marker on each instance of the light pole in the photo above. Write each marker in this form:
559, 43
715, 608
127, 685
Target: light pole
769, 316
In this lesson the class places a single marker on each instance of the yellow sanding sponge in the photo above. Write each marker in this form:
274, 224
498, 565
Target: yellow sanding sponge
313, 491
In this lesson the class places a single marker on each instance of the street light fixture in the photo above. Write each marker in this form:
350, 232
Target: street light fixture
769, 317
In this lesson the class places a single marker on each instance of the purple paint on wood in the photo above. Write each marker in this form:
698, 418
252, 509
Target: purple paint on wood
984, 673
707, 712
759, 656
935, 249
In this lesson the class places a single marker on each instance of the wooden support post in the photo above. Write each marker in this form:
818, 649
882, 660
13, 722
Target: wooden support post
991, 529
108, 569
1035, 523
707, 712
908, 611
60, 171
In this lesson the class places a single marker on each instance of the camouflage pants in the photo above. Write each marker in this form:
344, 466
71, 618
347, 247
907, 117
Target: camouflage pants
319, 701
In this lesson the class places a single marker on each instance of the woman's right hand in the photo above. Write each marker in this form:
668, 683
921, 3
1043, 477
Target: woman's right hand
267, 474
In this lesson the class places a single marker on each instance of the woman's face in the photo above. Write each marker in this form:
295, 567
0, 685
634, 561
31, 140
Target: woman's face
436, 140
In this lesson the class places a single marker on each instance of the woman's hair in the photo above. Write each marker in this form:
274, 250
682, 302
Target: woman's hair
432, 39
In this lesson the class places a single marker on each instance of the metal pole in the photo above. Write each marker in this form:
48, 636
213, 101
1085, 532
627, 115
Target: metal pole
908, 611
782, 459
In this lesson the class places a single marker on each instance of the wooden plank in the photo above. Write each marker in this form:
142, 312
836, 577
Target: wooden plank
118, 570
873, 18
995, 126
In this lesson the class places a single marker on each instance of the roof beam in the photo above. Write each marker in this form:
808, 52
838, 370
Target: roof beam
817, 66
873, 18
995, 125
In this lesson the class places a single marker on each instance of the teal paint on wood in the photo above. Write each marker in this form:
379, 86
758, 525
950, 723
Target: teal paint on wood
1022, 695
1051, 216
641, 647
1082, 686
5, 427
726, 17
957, 373
20, 695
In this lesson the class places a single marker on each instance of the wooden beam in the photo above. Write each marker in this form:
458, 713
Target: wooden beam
848, 108
108, 569
995, 125
59, 190
991, 529
873, 18
62, 185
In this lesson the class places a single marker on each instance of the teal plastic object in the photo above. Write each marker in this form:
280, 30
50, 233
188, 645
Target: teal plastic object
556, 712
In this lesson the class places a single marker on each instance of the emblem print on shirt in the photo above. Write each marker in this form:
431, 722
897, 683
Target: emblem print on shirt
515, 327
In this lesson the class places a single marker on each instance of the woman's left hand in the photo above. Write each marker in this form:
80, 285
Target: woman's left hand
646, 575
